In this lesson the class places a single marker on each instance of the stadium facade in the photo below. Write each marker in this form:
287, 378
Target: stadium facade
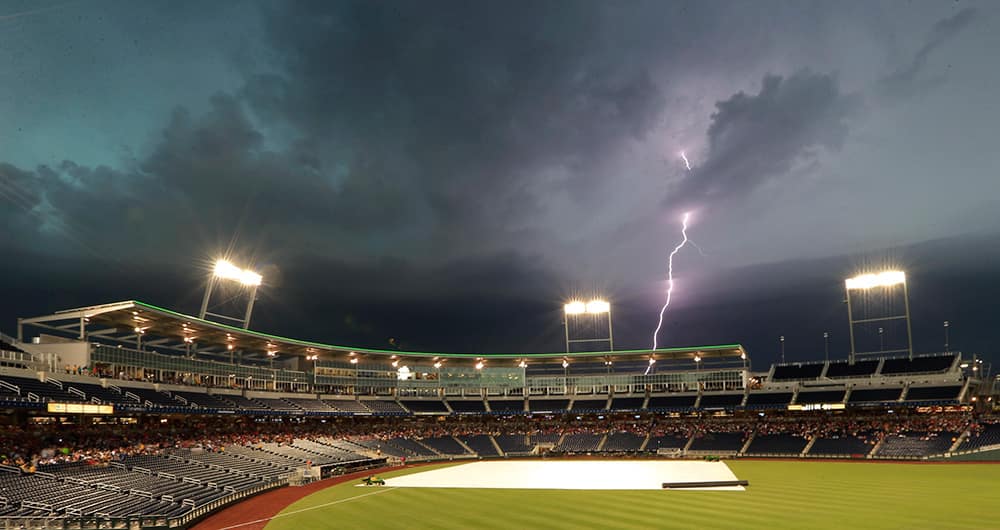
320, 409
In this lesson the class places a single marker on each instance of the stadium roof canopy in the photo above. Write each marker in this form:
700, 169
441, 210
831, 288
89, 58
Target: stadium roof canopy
161, 328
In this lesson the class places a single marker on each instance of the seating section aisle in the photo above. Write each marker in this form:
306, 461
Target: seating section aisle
156, 398
411, 447
350, 405
311, 405
777, 444
933, 393
41, 495
481, 444
720, 441
918, 365
858, 445
981, 436
425, 406
507, 405
205, 400
846, 369
579, 443
514, 443
44, 390
106, 395
917, 444
627, 403
666, 441
383, 406
623, 442
445, 445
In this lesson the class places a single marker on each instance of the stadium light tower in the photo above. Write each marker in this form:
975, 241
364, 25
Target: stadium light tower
885, 280
248, 279
595, 309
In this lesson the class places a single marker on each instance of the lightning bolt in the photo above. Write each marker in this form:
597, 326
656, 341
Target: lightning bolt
686, 163
670, 276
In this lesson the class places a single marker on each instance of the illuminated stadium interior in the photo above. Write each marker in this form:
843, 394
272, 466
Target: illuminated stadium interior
456, 265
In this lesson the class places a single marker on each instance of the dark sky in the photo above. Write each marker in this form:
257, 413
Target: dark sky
448, 173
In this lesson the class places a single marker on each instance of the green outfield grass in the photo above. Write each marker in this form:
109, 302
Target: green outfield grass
782, 494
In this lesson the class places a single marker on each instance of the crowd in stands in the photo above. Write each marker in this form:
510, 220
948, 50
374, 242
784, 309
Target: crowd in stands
44, 443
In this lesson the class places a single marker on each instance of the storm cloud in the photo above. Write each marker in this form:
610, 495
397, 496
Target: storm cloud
512, 152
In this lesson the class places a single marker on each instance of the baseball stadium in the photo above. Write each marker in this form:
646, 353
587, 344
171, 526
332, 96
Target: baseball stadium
129, 415
515, 265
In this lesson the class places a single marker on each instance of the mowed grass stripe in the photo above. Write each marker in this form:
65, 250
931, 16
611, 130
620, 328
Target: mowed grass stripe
781, 495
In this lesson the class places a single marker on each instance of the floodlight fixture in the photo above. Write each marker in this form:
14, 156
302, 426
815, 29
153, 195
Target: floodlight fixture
565, 363
652, 361
354, 360
877, 279
226, 270
522, 364
597, 307
437, 365
479, 365
395, 364
865, 282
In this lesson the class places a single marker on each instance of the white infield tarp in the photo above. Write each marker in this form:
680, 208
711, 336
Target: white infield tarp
569, 475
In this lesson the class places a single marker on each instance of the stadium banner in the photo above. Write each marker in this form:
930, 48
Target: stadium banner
80, 408
818, 406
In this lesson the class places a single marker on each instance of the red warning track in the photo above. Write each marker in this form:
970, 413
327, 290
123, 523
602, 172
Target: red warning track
263, 507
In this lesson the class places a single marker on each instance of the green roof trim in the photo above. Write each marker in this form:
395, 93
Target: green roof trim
310, 344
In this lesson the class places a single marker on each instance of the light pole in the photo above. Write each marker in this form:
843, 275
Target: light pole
885, 280
946, 345
314, 359
826, 345
224, 270
594, 308
781, 339
881, 339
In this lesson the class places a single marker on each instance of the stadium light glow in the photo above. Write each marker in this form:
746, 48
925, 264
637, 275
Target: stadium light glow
522, 364
575, 307
479, 365
437, 365
354, 360
597, 307
565, 363
228, 271
880, 279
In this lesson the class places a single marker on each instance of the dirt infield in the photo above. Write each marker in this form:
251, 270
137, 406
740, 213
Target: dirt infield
255, 512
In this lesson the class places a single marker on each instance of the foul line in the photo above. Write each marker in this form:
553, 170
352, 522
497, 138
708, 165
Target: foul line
285, 514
